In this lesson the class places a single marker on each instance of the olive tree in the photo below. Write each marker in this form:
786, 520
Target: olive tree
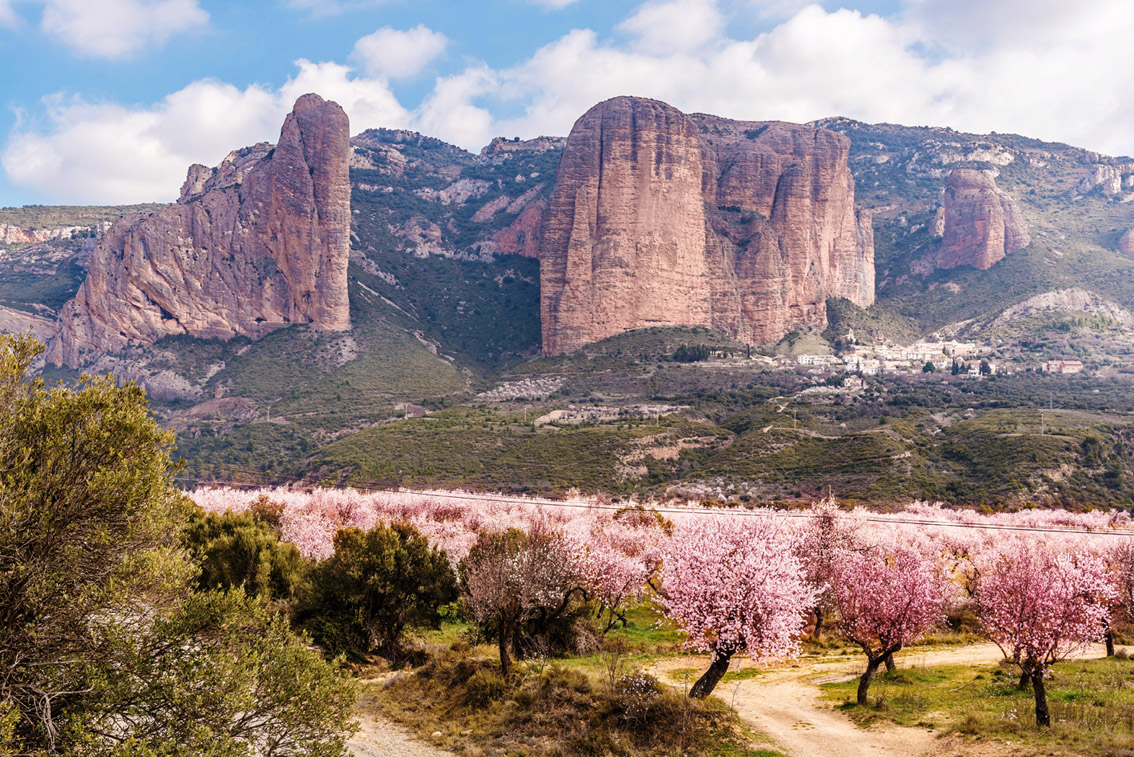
104, 644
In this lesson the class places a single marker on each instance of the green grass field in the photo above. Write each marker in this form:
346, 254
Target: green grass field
1091, 703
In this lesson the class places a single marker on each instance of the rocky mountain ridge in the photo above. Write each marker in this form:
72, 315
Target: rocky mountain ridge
415, 197
659, 218
260, 242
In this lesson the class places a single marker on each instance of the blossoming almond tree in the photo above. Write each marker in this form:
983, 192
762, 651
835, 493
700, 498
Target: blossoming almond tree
828, 533
1120, 559
1042, 603
734, 585
513, 577
617, 557
886, 598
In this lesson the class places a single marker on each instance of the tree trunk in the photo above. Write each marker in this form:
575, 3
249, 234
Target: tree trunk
1110, 642
889, 660
505, 639
818, 632
706, 683
1043, 717
1025, 679
872, 664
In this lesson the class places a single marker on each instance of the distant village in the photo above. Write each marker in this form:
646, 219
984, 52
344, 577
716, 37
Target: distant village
882, 357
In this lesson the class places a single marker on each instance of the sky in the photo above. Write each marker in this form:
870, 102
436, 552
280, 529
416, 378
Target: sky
109, 101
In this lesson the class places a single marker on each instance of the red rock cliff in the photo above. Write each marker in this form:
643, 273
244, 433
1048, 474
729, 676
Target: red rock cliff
1126, 242
981, 222
258, 243
662, 218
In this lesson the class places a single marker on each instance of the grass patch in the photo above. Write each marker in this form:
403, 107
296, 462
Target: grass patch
689, 675
487, 450
1091, 703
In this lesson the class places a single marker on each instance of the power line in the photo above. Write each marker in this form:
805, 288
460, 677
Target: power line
671, 510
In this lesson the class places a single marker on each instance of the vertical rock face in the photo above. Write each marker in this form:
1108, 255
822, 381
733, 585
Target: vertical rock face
260, 242
1126, 242
661, 218
982, 224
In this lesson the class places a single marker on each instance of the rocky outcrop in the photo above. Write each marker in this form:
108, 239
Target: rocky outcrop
229, 173
1108, 179
260, 242
1126, 242
17, 235
981, 223
1073, 300
522, 236
502, 146
14, 321
662, 218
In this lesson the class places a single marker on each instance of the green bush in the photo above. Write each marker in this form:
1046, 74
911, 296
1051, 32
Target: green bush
375, 586
244, 550
106, 647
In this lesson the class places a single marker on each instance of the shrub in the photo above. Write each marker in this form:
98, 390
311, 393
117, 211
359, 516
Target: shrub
637, 694
105, 646
483, 687
243, 550
377, 584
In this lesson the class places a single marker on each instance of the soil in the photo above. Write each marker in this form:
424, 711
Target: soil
379, 737
785, 704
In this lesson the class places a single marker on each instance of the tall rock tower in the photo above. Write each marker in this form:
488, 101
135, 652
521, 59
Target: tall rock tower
260, 242
662, 218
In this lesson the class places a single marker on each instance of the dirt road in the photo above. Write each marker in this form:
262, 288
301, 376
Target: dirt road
379, 737
786, 705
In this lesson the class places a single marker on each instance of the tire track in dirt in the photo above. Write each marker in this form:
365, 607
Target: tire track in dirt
785, 704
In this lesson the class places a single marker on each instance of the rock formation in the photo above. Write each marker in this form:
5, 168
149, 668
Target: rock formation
14, 321
981, 223
1109, 179
501, 146
260, 242
662, 218
17, 235
1126, 242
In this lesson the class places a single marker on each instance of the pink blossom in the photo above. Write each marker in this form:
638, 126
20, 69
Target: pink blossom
886, 599
1041, 603
734, 585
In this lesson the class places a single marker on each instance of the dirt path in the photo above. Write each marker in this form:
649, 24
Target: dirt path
786, 705
379, 737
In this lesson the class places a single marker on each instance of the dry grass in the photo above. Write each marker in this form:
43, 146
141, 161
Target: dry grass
553, 710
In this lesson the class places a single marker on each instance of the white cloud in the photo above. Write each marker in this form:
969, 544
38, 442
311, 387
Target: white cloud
8, 17
399, 54
119, 28
368, 102
980, 25
554, 5
332, 7
449, 113
107, 153
1064, 78
665, 26
778, 9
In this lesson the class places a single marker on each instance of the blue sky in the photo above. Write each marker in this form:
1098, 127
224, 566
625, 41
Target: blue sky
108, 101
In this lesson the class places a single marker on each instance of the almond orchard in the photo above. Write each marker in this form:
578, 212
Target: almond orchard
751, 582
